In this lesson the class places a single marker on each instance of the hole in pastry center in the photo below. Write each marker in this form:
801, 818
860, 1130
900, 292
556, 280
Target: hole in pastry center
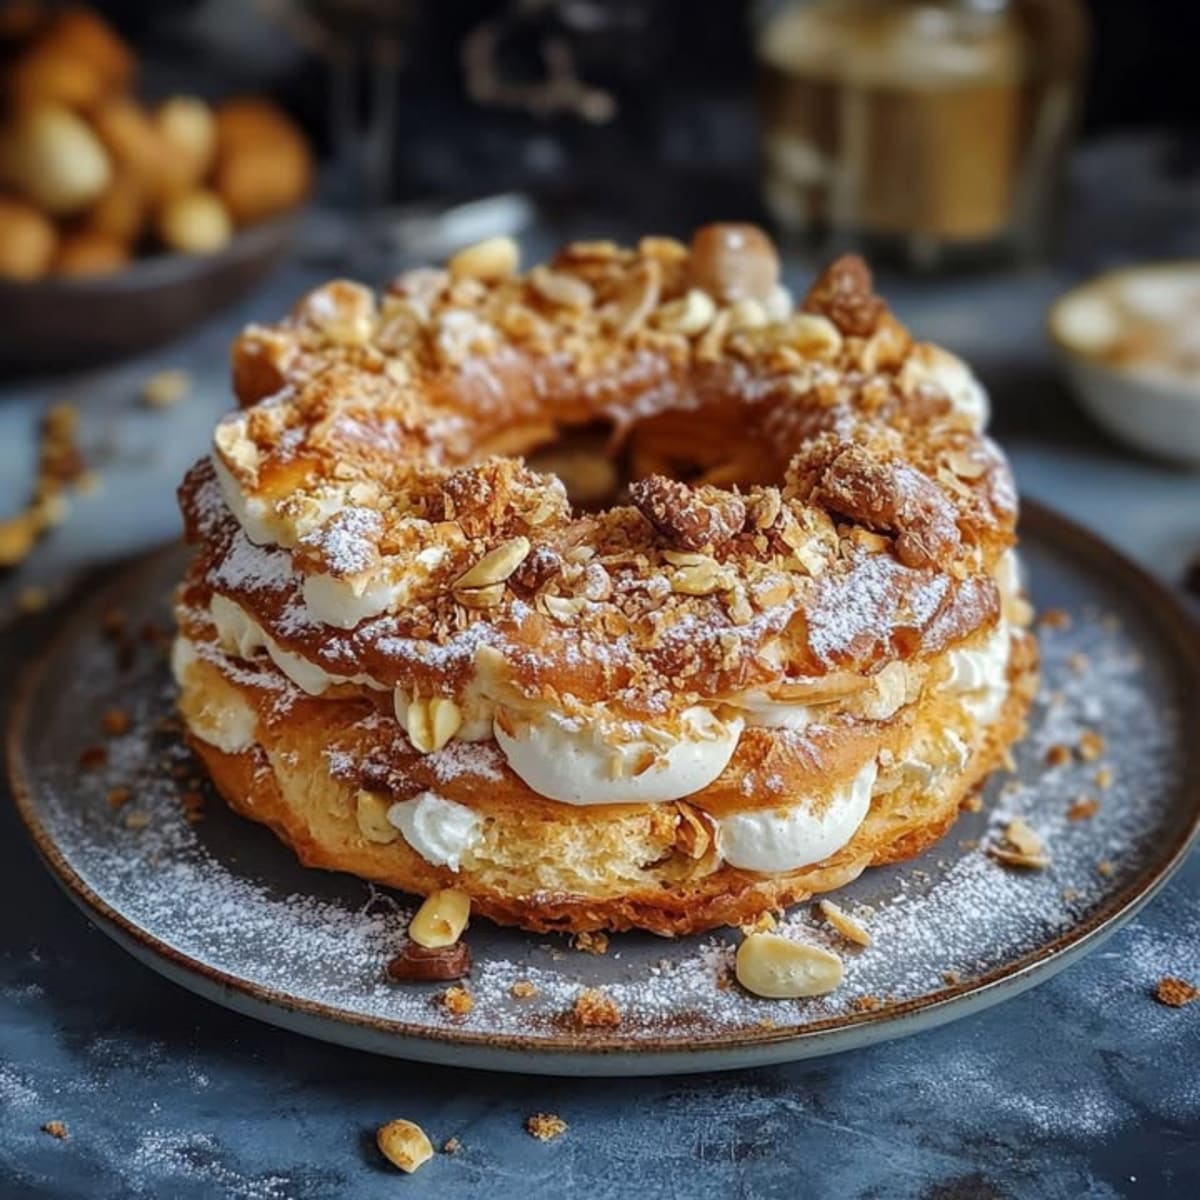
596, 462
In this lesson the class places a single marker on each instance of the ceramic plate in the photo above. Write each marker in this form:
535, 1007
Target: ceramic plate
218, 905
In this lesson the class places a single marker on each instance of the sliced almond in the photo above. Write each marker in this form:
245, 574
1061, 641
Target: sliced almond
778, 968
495, 566
844, 923
493, 258
689, 315
1022, 838
567, 291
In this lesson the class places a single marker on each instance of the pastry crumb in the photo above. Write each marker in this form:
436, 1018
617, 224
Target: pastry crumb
1175, 992
596, 1009
118, 797
763, 923
591, 943
165, 389
867, 1003
972, 803
33, 599
1083, 808
1055, 618
56, 1129
114, 721
1058, 755
523, 989
1105, 868
451, 1146
545, 1126
192, 803
1104, 777
458, 1000
1091, 745
93, 757
137, 819
951, 977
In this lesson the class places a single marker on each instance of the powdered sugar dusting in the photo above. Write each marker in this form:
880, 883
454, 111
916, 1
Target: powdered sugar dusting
225, 893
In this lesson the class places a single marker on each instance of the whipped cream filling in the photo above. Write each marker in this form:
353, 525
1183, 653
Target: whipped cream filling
600, 762
980, 674
774, 840
239, 633
764, 713
439, 830
232, 725
255, 515
939, 369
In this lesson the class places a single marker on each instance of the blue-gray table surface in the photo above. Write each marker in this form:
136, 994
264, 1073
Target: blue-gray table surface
1084, 1087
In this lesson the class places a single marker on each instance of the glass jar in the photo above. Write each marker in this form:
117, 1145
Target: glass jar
931, 130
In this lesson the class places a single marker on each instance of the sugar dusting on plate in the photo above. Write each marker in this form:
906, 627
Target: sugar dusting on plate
225, 893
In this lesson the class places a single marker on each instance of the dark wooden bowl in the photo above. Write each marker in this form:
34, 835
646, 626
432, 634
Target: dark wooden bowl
57, 323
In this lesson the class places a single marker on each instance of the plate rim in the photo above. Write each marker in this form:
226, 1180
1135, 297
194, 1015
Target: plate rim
694, 1051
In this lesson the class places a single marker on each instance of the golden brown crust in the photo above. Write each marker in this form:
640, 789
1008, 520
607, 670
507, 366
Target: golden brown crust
815, 519
284, 782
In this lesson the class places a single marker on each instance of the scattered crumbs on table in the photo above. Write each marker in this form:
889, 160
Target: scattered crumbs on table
1175, 992
545, 1126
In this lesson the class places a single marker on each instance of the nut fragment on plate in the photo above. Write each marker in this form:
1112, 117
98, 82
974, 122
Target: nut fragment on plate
416, 964
777, 968
441, 919
523, 989
165, 389
1175, 992
545, 1126
1082, 808
56, 1129
1020, 847
844, 923
596, 1009
458, 1001
404, 1144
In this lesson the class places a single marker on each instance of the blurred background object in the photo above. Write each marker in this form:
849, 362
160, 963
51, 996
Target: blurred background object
153, 157
930, 131
104, 182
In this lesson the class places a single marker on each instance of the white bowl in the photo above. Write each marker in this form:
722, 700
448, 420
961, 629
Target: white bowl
1152, 412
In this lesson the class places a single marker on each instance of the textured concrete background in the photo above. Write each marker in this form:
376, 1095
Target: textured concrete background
1082, 1088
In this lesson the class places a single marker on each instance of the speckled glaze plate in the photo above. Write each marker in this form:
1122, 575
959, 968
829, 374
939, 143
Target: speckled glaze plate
221, 907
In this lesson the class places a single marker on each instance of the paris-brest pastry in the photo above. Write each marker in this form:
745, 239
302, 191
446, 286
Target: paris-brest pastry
775, 635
